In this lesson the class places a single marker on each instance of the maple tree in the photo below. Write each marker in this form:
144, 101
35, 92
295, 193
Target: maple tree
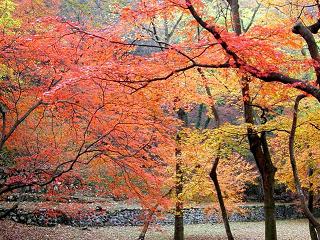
57, 117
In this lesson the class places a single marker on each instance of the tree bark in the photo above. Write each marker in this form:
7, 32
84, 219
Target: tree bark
178, 216
307, 35
269, 203
146, 224
149, 216
260, 150
214, 178
312, 230
235, 16
258, 144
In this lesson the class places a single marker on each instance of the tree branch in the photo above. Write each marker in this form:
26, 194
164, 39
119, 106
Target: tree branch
18, 122
265, 76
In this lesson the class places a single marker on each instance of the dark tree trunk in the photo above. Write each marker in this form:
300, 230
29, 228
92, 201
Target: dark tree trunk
178, 217
260, 150
178, 223
215, 163
149, 216
258, 144
268, 189
312, 230
269, 206
214, 178
307, 34
200, 112
146, 225
302, 198
267, 171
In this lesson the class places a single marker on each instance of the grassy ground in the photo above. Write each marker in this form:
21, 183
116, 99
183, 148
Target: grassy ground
287, 230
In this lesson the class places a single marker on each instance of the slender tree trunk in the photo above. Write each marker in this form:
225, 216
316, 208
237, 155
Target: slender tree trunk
199, 118
178, 217
268, 173
295, 173
146, 225
312, 230
307, 34
214, 178
268, 188
178, 223
149, 216
213, 172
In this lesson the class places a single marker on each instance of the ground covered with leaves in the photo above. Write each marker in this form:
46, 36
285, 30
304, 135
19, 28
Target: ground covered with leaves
287, 230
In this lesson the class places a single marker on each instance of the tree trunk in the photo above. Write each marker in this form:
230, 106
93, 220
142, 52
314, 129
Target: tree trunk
260, 150
302, 198
214, 178
178, 217
149, 217
213, 172
269, 206
146, 225
307, 34
258, 144
312, 230
178, 223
